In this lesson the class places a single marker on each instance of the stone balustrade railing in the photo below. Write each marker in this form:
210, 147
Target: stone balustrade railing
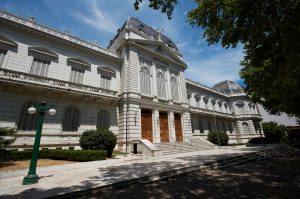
30, 78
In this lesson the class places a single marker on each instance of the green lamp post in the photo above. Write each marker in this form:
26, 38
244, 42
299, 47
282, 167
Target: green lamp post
41, 109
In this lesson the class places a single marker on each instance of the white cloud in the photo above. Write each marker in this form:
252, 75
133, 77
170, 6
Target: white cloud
101, 16
215, 68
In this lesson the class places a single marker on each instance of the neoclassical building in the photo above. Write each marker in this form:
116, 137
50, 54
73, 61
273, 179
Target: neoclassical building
136, 87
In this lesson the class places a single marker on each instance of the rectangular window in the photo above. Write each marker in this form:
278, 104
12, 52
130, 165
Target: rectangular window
201, 127
76, 76
198, 103
105, 82
2, 56
39, 67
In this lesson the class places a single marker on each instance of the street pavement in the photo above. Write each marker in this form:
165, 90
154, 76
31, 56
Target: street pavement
72, 178
275, 179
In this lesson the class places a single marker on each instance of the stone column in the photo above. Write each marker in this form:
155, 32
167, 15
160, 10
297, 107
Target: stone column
156, 126
171, 121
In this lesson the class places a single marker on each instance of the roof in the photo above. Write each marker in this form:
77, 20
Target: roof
148, 30
138, 25
228, 87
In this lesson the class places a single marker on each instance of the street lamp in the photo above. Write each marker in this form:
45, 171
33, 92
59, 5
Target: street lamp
41, 109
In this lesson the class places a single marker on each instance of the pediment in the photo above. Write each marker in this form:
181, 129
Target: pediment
7, 43
79, 63
159, 47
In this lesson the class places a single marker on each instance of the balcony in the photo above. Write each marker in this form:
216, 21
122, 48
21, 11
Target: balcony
25, 78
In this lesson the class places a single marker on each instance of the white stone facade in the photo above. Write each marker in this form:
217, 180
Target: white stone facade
136, 88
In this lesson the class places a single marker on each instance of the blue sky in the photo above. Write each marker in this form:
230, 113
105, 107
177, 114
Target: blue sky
98, 20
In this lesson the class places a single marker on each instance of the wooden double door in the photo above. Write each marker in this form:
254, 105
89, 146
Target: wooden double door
178, 128
146, 115
164, 126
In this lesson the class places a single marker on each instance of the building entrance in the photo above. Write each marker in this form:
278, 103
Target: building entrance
178, 128
164, 127
146, 124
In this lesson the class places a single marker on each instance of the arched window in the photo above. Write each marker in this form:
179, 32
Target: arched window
174, 88
161, 85
246, 128
103, 119
26, 121
71, 119
145, 81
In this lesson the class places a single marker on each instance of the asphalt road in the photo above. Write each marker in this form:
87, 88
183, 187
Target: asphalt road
275, 178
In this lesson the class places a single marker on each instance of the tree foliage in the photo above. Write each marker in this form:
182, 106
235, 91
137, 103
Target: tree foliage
166, 6
269, 32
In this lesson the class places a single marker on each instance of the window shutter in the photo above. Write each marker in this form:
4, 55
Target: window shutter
145, 81
2, 56
161, 85
174, 89
39, 67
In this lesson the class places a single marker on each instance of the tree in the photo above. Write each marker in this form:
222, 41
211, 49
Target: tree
269, 32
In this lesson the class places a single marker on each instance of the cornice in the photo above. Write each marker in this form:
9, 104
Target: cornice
32, 26
187, 81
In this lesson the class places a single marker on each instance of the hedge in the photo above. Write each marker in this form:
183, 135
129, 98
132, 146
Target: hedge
57, 154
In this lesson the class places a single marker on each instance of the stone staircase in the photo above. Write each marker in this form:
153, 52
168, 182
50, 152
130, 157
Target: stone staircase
169, 148
276, 151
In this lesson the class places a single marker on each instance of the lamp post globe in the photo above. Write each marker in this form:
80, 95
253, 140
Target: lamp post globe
52, 111
31, 110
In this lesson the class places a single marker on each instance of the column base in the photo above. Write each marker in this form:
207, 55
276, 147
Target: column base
30, 179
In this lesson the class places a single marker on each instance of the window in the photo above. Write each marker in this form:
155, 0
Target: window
103, 119
71, 119
240, 108
39, 67
230, 127
2, 56
223, 127
174, 89
105, 82
145, 81
161, 85
76, 76
26, 121
208, 126
201, 127
246, 128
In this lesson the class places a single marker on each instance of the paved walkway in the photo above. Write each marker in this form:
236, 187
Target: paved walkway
58, 180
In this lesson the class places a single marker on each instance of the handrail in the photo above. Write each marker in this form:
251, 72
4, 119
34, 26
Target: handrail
26, 77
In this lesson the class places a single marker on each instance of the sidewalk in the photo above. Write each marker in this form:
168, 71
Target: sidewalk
59, 180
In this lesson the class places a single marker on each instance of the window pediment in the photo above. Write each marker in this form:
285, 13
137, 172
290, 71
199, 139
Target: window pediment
78, 63
7, 43
197, 97
43, 53
106, 71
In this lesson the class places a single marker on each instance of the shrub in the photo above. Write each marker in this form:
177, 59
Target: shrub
7, 137
258, 140
274, 133
213, 137
58, 154
100, 139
